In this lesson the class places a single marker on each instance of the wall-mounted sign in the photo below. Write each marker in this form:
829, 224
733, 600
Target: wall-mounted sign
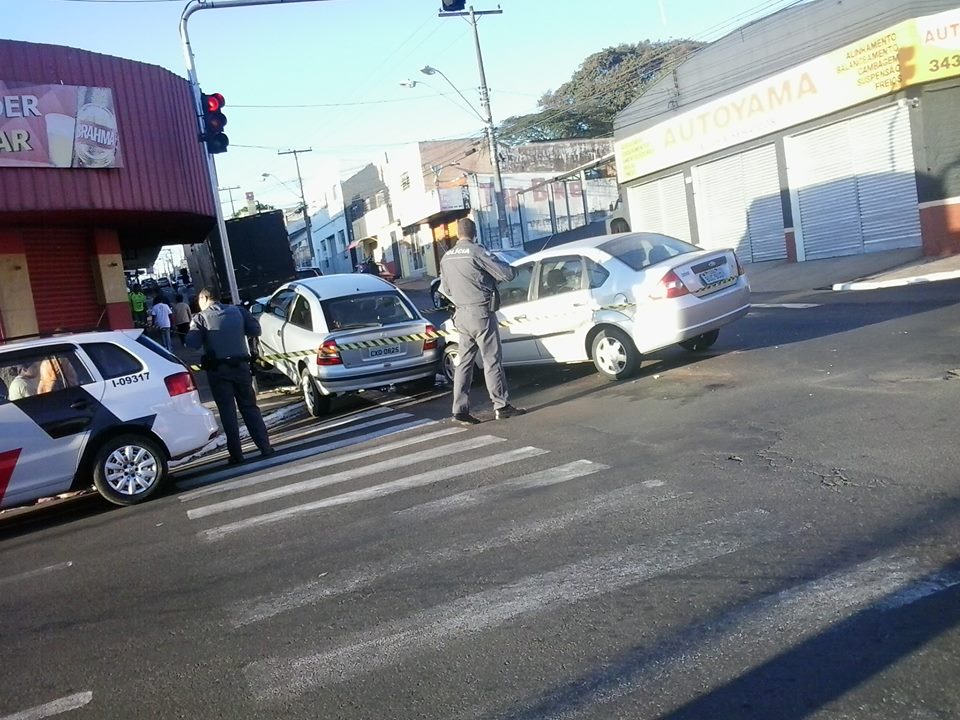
908, 53
57, 126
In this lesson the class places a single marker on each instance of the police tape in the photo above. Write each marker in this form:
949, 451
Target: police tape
335, 347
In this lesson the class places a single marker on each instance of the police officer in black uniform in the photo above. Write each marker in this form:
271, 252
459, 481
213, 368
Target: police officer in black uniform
221, 331
468, 276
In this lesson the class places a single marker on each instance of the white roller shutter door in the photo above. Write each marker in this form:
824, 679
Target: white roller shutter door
738, 205
660, 206
854, 187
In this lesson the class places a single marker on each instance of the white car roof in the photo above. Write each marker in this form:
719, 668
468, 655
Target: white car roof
55, 339
344, 284
586, 243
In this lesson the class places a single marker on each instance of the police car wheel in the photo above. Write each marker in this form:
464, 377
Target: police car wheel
701, 342
128, 469
614, 354
317, 403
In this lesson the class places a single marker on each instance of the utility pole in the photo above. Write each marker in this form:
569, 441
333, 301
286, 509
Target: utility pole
233, 210
303, 200
506, 228
192, 7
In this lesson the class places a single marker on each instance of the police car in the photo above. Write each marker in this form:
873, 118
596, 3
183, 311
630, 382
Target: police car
109, 407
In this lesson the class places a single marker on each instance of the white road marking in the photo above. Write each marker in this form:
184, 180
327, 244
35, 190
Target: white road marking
541, 478
761, 629
375, 491
785, 306
286, 471
34, 573
276, 678
260, 609
430, 455
64, 704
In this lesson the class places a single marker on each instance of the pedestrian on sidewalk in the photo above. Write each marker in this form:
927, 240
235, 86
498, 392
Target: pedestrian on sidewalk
181, 318
138, 306
221, 331
162, 315
468, 276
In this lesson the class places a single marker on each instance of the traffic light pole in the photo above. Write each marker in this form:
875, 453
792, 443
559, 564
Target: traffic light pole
506, 228
192, 7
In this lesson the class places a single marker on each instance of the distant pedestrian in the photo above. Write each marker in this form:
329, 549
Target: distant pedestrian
138, 306
162, 315
221, 331
181, 319
468, 276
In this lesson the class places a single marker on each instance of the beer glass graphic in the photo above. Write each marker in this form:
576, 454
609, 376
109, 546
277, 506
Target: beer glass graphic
60, 133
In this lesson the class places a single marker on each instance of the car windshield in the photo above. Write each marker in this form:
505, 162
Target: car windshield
640, 250
369, 310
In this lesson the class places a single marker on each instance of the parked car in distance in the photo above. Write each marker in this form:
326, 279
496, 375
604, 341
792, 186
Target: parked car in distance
441, 302
306, 321
612, 298
108, 409
308, 272
382, 270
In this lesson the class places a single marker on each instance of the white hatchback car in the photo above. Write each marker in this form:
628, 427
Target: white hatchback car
305, 323
112, 407
612, 298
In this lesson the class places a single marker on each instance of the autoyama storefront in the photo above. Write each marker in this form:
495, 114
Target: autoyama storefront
844, 153
99, 166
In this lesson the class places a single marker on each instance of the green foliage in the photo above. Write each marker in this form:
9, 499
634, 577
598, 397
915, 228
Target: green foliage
604, 84
261, 207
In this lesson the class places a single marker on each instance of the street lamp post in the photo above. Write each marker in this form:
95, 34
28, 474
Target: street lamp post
506, 229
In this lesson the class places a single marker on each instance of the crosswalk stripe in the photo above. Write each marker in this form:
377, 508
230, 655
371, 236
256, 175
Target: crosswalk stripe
343, 476
35, 573
759, 630
388, 488
287, 470
276, 678
541, 478
56, 707
259, 609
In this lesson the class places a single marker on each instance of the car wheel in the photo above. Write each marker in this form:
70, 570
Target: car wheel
614, 354
435, 299
451, 358
128, 469
317, 403
701, 342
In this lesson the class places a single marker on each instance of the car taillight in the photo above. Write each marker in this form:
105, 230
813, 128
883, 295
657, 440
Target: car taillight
327, 354
670, 286
179, 384
430, 344
739, 266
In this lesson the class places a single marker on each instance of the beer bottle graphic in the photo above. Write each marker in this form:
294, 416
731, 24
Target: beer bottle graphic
95, 143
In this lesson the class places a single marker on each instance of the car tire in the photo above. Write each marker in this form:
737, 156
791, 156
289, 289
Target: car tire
435, 300
614, 354
317, 403
451, 357
129, 468
701, 342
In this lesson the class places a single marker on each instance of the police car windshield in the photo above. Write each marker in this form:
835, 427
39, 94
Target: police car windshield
368, 310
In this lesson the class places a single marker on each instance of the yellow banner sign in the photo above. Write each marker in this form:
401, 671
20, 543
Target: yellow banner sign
911, 52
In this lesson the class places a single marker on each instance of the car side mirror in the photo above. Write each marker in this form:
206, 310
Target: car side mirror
256, 309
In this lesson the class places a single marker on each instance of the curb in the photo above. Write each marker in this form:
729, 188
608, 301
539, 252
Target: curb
896, 282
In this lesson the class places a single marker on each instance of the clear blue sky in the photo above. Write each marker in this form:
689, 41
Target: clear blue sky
346, 59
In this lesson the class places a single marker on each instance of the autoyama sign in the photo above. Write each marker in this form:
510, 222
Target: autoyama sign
909, 53
57, 126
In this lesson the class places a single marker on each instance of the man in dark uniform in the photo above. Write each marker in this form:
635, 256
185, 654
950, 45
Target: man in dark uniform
468, 276
221, 331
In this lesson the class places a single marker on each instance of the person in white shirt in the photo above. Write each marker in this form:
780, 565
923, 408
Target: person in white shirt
161, 314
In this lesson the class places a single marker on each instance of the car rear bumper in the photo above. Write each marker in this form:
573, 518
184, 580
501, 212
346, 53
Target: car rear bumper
186, 425
351, 382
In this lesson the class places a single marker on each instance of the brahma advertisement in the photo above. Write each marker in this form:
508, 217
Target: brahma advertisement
57, 126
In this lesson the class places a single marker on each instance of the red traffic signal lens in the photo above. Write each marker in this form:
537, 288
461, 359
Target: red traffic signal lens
214, 102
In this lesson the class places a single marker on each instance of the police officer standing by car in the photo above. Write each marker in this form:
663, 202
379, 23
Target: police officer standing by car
221, 331
468, 276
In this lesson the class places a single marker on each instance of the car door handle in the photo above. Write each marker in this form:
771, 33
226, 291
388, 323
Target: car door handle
279, 333
579, 304
519, 317
80, 405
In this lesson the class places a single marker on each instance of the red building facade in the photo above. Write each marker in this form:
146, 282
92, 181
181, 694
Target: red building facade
67, 231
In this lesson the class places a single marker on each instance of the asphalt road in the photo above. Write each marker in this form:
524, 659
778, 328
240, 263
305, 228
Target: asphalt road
767, 530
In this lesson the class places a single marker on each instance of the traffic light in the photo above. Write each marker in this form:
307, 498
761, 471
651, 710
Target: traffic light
213, 123
453, 5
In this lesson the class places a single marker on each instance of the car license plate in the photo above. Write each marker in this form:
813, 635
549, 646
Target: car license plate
713, 275
384, 351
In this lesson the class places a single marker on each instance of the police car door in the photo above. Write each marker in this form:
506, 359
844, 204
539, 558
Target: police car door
45, 422
519, 345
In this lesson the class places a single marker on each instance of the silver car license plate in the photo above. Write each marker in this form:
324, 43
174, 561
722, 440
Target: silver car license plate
713, 275
383, 351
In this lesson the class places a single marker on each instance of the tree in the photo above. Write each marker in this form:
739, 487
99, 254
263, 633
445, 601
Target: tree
261, 207
604, 84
